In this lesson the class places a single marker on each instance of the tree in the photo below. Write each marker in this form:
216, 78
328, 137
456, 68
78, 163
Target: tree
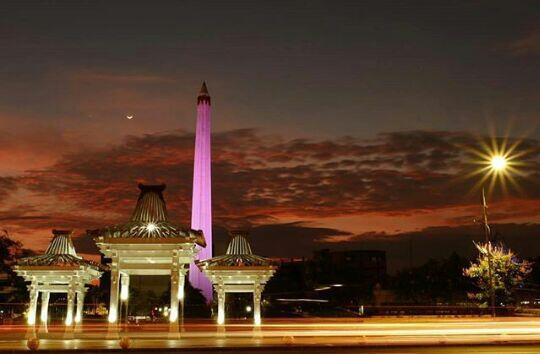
10, 250
507, 272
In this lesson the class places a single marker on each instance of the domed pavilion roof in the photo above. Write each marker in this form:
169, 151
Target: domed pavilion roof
150, 221
60, 253
238, 254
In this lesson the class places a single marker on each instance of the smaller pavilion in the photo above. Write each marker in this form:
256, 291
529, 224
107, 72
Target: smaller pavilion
58, 270
238, 271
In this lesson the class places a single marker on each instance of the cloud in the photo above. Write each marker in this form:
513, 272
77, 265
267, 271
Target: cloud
21, 149
261, 183
527, 45
255, 174
7, 185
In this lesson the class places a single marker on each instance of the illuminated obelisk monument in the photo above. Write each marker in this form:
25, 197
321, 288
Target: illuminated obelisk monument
201, 210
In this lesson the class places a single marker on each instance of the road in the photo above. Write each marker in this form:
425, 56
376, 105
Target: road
289, 335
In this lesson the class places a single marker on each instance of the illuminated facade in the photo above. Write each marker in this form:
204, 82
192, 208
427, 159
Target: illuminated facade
201, 212
148, 245
238, 271
58, 270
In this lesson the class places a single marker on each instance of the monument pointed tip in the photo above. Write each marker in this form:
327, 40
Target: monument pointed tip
204, 96
204, 89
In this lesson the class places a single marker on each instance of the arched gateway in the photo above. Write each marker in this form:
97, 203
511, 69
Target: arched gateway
148, 245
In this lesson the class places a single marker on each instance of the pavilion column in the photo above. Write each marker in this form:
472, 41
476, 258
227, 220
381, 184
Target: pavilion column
124, 290
257, 292
124, 296
80, 305
45, 296
33, 303
221, 304
70, 303
115, 280
175, 287
181, 290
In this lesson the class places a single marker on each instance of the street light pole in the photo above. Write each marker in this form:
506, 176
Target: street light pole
487, 231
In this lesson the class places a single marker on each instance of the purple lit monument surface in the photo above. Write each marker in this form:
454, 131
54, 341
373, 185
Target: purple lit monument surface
201, 210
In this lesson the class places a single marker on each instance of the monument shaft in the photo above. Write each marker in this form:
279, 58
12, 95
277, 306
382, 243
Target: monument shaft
201, 212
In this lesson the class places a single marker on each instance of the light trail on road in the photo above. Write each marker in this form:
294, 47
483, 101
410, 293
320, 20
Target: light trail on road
283, 333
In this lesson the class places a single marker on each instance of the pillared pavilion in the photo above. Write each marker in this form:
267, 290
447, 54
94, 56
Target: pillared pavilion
58, 270
148, 244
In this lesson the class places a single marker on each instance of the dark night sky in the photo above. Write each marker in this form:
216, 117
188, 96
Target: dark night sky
340, 124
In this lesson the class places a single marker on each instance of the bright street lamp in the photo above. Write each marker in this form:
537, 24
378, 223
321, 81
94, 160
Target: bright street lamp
498, 163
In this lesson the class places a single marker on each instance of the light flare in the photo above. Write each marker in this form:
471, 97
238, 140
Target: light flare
499, 161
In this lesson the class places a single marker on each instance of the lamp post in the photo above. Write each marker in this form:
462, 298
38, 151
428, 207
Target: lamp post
487, 232
497, 165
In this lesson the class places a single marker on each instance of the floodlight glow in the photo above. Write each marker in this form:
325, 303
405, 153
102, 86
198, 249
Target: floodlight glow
221, 318
151, 227
77, 318
248, 308
112, 316
44, 307
31, 321
124, 293
257, 320
173, 316
69, 320
181, 293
